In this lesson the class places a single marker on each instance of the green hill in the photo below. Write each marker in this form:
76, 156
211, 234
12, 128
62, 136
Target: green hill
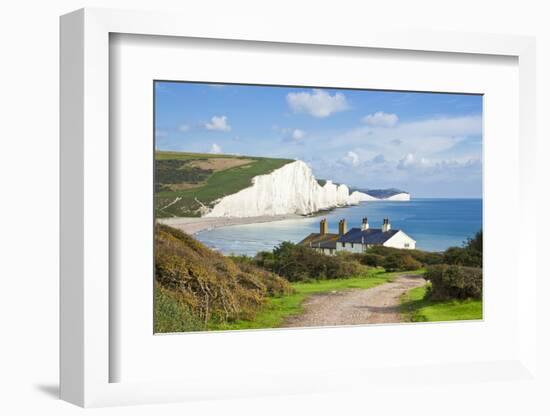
196, 286
184, 182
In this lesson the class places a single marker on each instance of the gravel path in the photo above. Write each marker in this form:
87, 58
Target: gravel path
376, 305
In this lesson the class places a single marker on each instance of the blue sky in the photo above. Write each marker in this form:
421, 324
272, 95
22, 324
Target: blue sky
428, 144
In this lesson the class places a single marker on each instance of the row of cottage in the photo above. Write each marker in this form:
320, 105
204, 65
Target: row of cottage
357, 240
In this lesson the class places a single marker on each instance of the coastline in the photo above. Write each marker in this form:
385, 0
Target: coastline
194, 225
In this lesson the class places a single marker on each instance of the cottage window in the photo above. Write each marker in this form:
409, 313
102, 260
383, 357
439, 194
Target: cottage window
407, 245
343, 244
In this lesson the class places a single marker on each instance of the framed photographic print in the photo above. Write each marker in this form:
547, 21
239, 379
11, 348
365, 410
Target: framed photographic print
236, 208
283, 206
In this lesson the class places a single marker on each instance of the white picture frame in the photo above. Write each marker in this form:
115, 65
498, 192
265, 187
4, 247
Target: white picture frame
87, 355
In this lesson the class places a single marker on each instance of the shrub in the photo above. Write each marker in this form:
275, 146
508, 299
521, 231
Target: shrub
455, 282
400, 262
423, 257
383, 250
471, 254
372, 259
459, 256
426, 257
409, 263
298, 263
476, 244
172, 314
204, 284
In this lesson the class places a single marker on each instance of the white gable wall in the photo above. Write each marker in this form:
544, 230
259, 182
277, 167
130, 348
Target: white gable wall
401, 240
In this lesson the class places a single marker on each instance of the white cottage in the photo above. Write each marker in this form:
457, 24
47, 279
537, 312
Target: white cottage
357, 240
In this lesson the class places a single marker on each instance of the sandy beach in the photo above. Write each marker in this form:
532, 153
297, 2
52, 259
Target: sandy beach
193, 225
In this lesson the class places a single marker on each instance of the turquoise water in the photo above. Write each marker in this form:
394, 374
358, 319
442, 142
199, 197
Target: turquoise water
435, 224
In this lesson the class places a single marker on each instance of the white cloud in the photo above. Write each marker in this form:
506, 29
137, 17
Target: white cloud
298, 134
446, 126
160, 134
215, 149
218, 123
432, 156
318, 103
408, 160
351, 158
423, 138
289, 134
380, 119
184, 127
413, 162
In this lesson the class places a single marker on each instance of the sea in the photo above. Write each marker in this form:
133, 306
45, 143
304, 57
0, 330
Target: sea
435, 223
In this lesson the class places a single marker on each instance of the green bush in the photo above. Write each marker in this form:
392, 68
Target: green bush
455, 282
372, 259
383, 250
205, 286
426, 257
400, 262
423, 257
298, 263
172, 313
471, 254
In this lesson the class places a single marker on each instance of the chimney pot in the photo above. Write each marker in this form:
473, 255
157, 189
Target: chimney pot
323, 227
342, 227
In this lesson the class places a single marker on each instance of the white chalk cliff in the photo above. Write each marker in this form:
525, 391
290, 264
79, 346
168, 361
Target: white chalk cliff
403, 196
291, 189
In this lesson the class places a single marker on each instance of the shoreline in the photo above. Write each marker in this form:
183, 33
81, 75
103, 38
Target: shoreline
194, 225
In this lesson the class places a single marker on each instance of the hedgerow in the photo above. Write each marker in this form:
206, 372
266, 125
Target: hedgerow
298, 263
455, 282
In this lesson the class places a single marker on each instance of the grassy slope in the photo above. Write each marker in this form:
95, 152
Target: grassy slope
279, 308
417, 309
219, 184
195, 284
173, 316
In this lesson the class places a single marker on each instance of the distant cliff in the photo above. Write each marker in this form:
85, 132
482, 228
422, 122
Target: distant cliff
291, 189
403, 196
391, 194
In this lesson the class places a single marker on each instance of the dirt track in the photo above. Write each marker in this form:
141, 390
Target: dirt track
376, 305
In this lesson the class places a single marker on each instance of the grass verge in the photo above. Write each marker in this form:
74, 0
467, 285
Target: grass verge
415, 308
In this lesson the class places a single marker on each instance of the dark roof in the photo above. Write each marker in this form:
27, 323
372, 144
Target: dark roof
368, 236
316, 240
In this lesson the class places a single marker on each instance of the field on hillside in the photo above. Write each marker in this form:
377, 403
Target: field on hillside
185, 182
